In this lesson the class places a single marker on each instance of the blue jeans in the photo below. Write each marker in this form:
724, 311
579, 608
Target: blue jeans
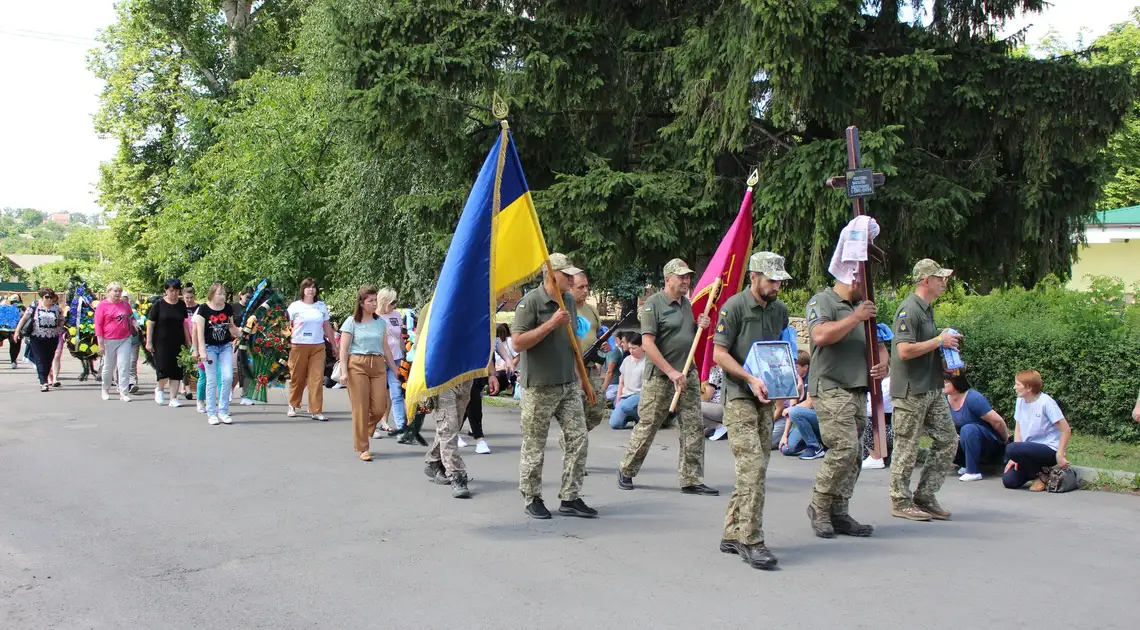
396, 395
978, 444
795, 445
219, 378
624, 411
807, 423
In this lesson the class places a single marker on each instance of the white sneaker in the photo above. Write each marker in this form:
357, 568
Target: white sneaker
321, 417
124, 398
212, 420
292, 413
201, 407
482, 448
718, 433
174, 403
338, 386
971, 477
962, 470
158, 397
245, 402
377, 434
104, 395
462, 444
225, 418
873, 464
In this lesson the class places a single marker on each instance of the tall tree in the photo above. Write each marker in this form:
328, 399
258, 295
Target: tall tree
1121, 46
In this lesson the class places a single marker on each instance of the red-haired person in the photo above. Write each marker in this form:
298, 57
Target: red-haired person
1040, 438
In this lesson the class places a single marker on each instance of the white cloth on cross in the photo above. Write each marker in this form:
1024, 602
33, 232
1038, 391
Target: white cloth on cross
852, 248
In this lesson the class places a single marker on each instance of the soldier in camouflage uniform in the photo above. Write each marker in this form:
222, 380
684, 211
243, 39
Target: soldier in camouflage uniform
916, 390
838, 384
547, 372
667, 332
747, 317
444, 464
596, 412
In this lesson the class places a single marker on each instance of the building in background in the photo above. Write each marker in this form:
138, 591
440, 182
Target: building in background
1112, 248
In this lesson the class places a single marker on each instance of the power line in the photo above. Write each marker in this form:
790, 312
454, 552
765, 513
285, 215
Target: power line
50, 37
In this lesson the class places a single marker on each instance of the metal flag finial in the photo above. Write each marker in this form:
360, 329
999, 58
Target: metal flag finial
754, 178
499, 108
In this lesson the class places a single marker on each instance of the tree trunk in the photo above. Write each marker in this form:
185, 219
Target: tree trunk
238, 18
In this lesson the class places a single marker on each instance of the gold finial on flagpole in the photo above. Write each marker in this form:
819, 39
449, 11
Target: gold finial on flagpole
499, 109
754, 178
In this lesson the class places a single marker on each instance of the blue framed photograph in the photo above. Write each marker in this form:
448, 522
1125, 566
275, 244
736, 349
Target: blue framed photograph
773, 363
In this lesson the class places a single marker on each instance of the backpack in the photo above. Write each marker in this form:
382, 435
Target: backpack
1062, 480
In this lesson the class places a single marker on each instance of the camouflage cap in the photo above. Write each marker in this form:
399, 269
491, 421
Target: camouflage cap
560, 262
769, 264
677, 267
927, 267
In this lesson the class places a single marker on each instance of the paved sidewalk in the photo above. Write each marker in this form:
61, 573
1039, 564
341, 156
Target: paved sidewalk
118, 515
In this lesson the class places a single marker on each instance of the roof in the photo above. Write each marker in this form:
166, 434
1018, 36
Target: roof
27, 262
1120, 216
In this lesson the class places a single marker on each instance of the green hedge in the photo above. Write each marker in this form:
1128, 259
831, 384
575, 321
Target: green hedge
1085, 344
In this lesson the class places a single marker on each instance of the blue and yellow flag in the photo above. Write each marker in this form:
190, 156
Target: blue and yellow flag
497, 245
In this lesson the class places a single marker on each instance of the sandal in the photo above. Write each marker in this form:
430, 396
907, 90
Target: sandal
366, 456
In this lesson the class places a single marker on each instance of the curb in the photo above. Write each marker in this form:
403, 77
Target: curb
1091, 475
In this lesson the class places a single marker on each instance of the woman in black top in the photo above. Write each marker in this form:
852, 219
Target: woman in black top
166, 335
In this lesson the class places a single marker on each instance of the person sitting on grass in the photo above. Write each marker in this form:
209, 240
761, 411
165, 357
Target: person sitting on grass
1040, 438
982, 432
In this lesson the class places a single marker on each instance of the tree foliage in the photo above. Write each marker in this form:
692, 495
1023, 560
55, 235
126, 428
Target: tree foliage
1121, 46
342, 145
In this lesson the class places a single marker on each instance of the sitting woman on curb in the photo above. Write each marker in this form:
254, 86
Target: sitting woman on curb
1040, 437
982, 432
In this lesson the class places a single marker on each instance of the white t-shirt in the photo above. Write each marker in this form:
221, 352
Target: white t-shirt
888, 406
395, 320
308, 322
633, 370
1038, 420
503, 347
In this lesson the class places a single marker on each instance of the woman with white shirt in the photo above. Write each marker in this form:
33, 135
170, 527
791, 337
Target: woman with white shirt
1040, 438
632, 372
310, 322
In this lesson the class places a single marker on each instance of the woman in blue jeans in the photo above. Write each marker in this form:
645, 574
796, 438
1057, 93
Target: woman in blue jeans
214, 333
629, 384
397, 336
982, 432
1041, 436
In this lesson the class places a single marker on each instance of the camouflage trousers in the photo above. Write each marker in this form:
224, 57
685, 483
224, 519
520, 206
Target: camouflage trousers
749, 425
448, 415
596, 412
656, 396
841, 421
914, 415
540, 405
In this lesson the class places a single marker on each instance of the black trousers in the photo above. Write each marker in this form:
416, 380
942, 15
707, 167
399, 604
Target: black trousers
14, 349
474, 413
1031, 458
43, 355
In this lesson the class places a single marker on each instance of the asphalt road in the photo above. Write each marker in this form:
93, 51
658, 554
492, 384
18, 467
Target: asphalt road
118, 515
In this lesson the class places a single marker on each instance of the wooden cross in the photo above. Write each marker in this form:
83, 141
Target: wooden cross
860, 183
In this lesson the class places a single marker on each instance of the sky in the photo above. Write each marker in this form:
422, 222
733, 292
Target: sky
50, 153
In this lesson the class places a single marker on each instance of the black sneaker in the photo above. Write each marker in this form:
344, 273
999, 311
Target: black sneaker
133, 389
625, 483
577, 507
435, 473
729, 546
820, 522
537, 509
701, 489
459, 485
758, 556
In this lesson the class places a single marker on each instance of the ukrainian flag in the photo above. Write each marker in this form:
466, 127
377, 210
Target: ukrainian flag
497, 245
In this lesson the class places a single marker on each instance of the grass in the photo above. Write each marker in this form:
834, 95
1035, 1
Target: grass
1097, 452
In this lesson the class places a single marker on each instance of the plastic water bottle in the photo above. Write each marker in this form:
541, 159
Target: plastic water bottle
951, 356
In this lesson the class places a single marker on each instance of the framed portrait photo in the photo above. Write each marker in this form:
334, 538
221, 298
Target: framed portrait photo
773, 363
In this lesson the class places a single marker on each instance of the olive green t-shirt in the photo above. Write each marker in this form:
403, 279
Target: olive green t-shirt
744, 321
843, 363
550, 361
914, 323
673, 328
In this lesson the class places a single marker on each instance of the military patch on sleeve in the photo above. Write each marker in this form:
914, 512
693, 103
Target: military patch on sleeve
720, 327
812, 314
724, 312
902, 326
522, 305
901, 314
649, 307
813, 302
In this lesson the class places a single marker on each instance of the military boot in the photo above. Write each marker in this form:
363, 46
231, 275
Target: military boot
435, 472
459, 485
820, 521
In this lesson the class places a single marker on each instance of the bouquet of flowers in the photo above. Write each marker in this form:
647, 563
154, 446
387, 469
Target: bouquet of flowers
264, 350
81, 340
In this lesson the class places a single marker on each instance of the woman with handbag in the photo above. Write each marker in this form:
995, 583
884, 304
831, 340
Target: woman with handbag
42, 325
1040, 438
115, 328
